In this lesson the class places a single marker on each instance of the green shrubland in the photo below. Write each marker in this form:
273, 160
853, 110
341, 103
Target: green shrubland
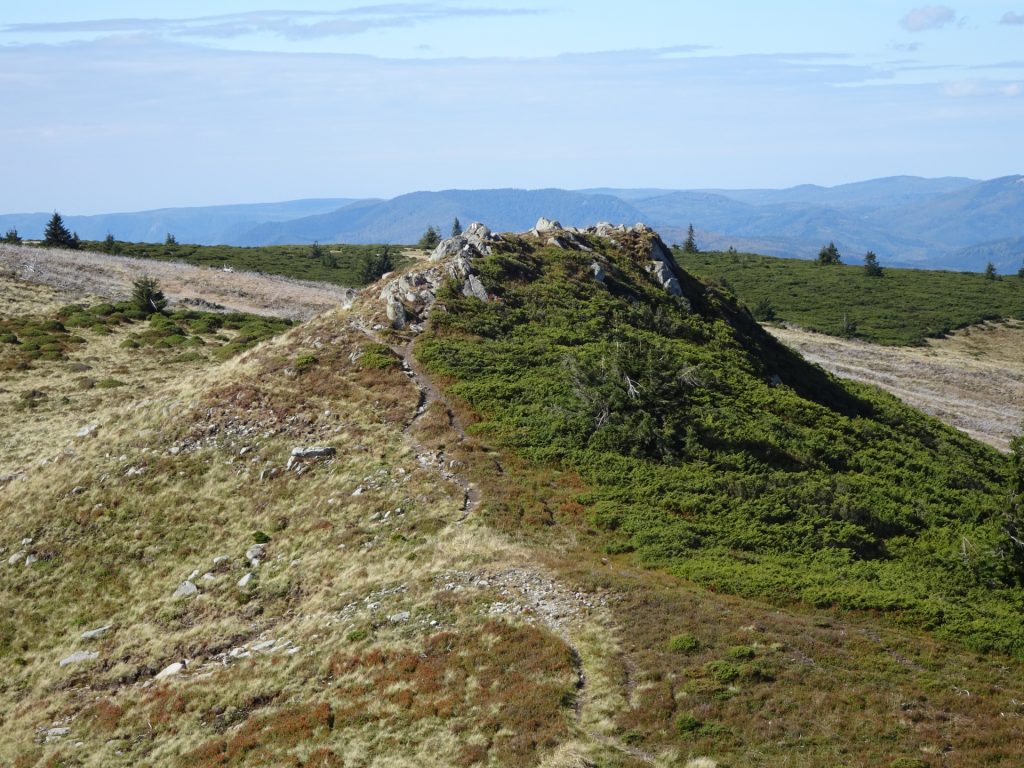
895, 306
350, 265
713, 452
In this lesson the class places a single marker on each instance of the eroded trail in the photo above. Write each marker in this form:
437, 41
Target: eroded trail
429, 397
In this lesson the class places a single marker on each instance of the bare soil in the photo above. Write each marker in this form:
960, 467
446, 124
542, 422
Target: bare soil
972, 380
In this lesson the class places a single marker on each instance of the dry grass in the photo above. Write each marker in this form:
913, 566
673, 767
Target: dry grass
972, 380
77, 274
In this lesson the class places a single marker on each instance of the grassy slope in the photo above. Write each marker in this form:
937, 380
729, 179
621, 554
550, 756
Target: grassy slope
904, 306
715, 453
288, 260
505, 607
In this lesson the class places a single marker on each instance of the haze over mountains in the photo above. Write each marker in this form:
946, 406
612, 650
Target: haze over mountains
953, 223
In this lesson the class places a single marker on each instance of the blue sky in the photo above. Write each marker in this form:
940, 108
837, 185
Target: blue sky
133, 105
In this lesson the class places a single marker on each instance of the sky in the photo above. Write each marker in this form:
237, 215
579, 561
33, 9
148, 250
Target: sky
112, 105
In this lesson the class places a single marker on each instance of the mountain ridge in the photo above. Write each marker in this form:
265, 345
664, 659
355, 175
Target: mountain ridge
944, 223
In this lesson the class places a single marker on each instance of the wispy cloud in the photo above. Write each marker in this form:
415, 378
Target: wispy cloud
974, 88
928, 17
291, 25
1011, 18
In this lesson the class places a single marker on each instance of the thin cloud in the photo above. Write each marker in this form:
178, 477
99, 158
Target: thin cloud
1012, 19
292, 25
927, 18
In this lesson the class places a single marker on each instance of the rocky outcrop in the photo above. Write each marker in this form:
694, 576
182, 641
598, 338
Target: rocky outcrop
408, 299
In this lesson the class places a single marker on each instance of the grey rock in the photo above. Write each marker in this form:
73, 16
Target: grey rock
255, 552
544, 226
473, 287
395, 618
91, 634
171, 669
16, 557
308, 453
244, 581
87, 430
396, 312
79, 656
598, 271
54, 734
220, 560
186, 589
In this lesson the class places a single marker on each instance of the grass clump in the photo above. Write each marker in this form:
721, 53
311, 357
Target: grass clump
684, 643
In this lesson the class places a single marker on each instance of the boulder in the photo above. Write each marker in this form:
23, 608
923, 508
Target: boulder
79, 656
598, 272
90, 634
309, 453
396, 312
543, 226
185, 589
255, 553
171, 669
244, 581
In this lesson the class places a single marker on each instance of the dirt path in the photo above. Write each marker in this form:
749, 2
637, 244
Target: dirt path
429, 395
973, 380
80, 274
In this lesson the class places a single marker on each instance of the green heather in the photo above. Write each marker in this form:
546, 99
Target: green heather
902, 306
29, 339
713, 452
328, 263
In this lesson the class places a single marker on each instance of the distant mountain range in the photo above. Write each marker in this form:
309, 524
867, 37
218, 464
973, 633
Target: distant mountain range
950, 223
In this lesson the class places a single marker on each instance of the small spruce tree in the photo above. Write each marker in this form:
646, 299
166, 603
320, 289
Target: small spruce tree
430, 239
871, 266
376, 264
14, 238
456, 227
1020, 272
56, 234
690, 246
110, 244
147, 296
990, 272
829, 254
316, 251
170, 239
